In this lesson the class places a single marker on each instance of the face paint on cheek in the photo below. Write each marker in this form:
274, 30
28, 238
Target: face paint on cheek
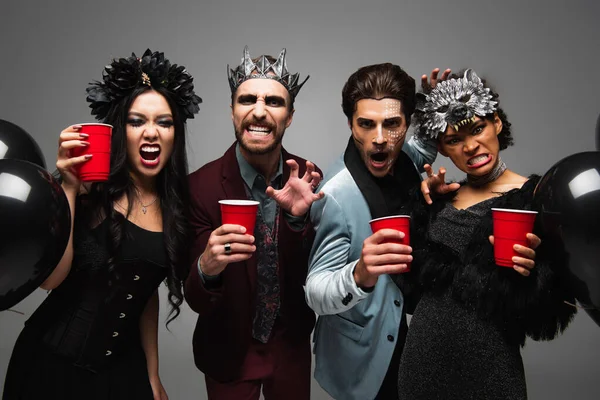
394, 139
357, 140
393, 110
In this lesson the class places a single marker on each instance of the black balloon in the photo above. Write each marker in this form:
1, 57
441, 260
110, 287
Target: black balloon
568, 200
35, 224
17, 144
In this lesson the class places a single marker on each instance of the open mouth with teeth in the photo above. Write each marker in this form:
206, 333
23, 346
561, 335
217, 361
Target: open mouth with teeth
479, 160
462, 123
258, 130
150, 154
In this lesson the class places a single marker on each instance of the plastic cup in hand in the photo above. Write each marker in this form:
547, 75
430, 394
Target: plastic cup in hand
398, 222
97, 168
510, 227
239, 212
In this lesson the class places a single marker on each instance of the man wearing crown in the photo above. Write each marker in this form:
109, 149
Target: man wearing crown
253, 329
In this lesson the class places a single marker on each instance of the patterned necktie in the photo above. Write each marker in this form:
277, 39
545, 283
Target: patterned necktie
267, 284
267, 280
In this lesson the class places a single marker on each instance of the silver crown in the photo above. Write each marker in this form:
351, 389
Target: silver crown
265, 70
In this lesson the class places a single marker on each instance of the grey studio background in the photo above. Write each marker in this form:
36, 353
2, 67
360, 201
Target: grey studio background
542, 56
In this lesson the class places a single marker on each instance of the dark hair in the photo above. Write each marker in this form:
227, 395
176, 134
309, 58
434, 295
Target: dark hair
272, 60
376, 82
505, 137
172, 190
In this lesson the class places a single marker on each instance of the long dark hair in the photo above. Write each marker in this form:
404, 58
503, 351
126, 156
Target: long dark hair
172, 190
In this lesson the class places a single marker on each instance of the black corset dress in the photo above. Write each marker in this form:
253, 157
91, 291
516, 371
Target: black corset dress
83, 342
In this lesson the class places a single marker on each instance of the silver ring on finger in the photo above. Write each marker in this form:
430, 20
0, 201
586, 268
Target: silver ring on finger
227, 248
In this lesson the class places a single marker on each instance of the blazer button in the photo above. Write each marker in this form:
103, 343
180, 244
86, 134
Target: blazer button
136, 277
129, 297
396, 303
122, 315
390, 338
108, 352
115, 334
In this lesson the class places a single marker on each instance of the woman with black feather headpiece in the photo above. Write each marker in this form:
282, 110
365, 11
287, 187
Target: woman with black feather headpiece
95, 336
473, 315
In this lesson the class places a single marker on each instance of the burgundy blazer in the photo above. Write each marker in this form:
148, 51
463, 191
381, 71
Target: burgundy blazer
224, 327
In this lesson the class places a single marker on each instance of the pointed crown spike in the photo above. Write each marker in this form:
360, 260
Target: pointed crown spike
263, 69
247, 64
264, 65
279, 67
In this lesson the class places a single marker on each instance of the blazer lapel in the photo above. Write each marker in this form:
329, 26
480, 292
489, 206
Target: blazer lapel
365, 181
405, 176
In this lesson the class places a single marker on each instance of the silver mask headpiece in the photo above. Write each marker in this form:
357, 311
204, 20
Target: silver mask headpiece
265, 70
455, 102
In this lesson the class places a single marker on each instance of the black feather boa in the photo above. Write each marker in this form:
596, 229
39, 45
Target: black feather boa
520, 306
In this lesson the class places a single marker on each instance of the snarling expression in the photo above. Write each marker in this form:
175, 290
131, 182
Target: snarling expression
150, 135
261, 114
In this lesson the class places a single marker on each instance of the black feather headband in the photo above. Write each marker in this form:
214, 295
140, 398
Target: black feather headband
123, 75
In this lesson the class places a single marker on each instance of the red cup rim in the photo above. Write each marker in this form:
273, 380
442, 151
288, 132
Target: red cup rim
390, 217
239, 202
94, 123
93, 176
514, 211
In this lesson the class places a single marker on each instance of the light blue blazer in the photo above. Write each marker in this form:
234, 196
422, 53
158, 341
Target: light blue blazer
352, 342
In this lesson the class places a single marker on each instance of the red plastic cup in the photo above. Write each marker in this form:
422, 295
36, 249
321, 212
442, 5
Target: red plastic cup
398, 222
510, 227
97, 168
239, 212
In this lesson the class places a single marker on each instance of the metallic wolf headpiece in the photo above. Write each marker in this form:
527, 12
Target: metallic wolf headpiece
264, 69
455, 102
